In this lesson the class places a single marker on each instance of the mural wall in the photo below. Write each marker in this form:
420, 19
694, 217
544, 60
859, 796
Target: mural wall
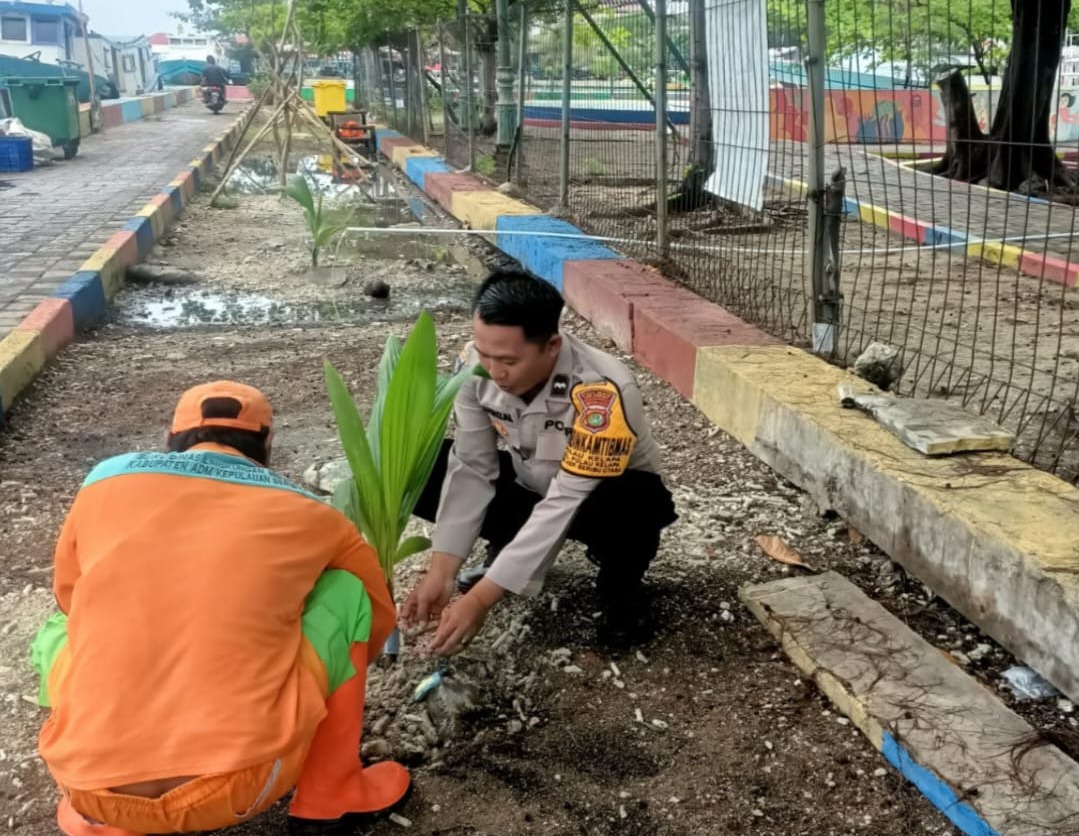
897, 116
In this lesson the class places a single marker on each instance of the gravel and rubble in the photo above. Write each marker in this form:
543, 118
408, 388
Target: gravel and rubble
535, 728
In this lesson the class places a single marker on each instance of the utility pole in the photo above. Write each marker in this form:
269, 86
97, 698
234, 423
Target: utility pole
505, 107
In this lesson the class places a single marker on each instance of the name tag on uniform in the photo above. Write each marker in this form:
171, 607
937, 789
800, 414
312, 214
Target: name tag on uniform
551, 446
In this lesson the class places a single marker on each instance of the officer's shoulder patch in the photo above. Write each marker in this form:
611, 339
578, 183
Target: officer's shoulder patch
602, 440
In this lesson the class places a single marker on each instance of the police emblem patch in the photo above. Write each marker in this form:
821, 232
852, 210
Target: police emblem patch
601, 441
500, 428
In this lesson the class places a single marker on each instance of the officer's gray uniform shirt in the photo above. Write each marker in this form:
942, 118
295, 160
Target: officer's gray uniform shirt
579, 429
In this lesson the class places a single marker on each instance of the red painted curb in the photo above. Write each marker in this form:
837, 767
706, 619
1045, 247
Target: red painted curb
55, 320
603, 291
1049, 267
442, 185
668, 329
125, 243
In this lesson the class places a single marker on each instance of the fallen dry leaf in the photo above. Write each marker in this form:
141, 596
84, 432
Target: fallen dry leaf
856, 537
775, 548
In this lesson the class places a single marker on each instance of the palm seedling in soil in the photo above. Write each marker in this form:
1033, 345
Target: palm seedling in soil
391, 458
320, 227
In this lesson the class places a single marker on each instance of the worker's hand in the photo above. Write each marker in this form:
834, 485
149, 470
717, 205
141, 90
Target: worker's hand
461, 621
426, 602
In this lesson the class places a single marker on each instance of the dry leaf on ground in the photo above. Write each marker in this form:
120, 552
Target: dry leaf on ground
775, 548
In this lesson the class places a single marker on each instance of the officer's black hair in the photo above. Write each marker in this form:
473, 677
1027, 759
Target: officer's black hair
248, 442
517, 298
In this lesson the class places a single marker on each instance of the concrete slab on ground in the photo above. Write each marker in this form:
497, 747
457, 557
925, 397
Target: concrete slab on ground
941, 729
53, 219
935, 428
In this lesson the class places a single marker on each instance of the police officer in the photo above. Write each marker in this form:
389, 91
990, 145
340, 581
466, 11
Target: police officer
578, 461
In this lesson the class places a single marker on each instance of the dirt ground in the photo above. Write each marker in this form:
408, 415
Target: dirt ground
708, 729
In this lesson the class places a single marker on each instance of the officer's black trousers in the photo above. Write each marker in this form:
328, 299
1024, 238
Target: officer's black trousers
619, 523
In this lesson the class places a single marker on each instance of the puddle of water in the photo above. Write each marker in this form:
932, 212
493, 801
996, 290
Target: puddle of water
150, 308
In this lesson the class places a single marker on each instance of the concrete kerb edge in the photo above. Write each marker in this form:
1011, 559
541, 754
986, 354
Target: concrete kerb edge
23, 352
928, 234
1026, 262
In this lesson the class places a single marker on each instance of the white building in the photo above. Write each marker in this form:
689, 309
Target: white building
186, 47
49, 31
134, 65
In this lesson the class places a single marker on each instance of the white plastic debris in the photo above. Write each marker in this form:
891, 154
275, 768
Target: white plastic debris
1028, 684
400, 820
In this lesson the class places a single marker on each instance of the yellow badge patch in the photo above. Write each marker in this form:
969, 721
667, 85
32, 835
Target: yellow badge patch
602, 440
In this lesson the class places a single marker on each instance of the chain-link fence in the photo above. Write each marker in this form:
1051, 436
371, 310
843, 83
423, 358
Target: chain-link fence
764, 103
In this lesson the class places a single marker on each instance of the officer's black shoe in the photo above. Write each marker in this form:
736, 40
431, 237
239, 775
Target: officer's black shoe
625, 616
470, 577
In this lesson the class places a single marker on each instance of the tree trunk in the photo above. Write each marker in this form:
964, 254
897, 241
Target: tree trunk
965, 158
1017, 154
1020, 133
702, 151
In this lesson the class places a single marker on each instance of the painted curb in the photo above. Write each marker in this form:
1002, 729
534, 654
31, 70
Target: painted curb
1027, 262
81, 301
940, 728
991, 535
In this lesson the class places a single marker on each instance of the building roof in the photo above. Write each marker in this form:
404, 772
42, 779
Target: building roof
40, 9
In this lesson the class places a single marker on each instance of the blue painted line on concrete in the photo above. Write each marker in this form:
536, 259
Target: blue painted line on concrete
417, 168
131, 111
86, 294
176, 198
944, 235
144, 234
942, 796
546, 256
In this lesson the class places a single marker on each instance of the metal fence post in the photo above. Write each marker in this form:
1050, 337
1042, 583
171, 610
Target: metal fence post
567, 94
661, 128
825, 300
443, 75
505, 109
519, 122
465, 115
467, 107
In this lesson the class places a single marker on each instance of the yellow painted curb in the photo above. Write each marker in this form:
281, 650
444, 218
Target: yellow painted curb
875, 215
481, 210
105, 262
22, 356
157, 221
402, 153
996, 253
991, 535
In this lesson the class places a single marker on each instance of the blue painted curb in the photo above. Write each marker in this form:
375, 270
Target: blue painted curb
417, 168
546, 257
86, 294
176, 198
144, 234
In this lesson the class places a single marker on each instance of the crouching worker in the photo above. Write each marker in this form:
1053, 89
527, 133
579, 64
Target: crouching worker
212, 643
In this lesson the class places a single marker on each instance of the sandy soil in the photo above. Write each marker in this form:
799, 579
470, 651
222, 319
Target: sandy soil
706, 730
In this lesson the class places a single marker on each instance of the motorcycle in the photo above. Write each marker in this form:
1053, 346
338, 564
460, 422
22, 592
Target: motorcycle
213, 98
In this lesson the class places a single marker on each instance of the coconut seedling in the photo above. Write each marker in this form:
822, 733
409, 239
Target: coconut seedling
320, 228
391, 458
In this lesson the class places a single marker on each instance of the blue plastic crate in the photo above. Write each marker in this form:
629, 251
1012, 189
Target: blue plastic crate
16, 153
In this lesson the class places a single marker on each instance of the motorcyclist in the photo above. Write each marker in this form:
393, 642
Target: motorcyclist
214, 76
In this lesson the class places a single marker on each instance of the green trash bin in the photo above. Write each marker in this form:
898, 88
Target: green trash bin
49, 105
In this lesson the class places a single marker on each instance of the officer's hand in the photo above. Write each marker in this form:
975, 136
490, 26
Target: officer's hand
427, 601
461, 621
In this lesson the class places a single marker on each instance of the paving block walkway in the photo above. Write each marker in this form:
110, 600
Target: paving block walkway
54, 218
974, 212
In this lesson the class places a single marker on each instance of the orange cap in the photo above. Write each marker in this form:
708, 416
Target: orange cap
255, 413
